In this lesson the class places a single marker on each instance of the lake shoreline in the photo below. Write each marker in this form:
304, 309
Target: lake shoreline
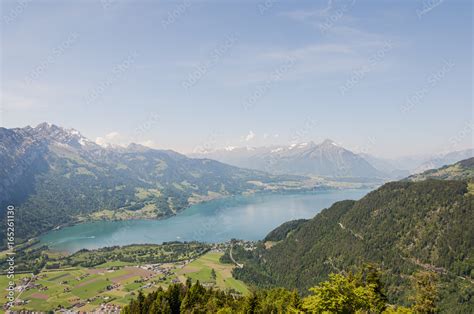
246, 217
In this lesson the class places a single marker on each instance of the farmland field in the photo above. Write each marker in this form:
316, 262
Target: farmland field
201, 269
112, 285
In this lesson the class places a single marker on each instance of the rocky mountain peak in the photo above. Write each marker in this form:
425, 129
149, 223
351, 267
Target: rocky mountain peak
53, 133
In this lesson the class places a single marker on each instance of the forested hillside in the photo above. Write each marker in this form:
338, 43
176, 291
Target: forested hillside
402, 226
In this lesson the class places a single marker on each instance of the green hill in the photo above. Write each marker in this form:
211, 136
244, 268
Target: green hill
402, 226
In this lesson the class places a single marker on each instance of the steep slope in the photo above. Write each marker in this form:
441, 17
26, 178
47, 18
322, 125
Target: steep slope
402, 226
56, 176
284, 230
326, 159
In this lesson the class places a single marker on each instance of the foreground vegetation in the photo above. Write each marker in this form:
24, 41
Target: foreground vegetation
361, 292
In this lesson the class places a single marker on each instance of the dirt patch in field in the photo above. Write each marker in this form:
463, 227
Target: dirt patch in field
40, 296
86, 282
94, 271
57, 277
132, 272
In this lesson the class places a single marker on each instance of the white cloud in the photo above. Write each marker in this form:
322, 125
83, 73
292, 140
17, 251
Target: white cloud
116, 139
112, 138
250, 136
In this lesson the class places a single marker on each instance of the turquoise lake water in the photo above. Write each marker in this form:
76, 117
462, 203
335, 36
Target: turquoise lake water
239, 217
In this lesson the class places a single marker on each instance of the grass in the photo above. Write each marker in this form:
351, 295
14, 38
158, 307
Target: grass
91, 289
203, 275
201, 268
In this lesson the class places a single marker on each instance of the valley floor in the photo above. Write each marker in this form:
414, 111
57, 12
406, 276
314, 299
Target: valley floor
110, 286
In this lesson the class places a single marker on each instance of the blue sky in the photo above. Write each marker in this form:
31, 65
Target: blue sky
389, 78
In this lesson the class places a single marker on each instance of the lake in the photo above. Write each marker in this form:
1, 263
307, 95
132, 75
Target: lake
241, 217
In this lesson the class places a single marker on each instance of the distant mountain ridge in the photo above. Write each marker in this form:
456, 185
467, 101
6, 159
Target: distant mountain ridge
56, 176
462, 170
326, 159
445, 159
330, 160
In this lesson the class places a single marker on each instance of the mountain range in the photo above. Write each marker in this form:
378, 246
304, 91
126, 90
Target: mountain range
56, 176
330, 160
326, 159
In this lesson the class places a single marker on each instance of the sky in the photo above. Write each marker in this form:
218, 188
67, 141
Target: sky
389, 78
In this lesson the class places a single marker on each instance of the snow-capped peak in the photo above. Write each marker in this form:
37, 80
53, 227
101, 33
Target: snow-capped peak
58, 134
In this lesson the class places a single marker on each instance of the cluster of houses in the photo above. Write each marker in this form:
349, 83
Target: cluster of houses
108, 308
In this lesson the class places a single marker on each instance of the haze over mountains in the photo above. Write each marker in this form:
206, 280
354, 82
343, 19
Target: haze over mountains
325, 159
328, 159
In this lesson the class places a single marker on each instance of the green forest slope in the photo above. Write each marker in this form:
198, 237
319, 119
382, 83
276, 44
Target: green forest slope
403, 227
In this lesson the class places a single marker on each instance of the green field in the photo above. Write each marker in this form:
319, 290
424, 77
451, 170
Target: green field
85, 289
201, 269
